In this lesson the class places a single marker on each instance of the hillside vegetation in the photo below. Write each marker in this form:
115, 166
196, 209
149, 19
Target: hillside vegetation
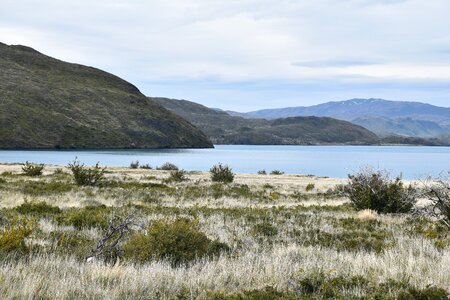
48, 103
225, 129
383, 117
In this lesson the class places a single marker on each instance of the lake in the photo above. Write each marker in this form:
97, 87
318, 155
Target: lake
332, 161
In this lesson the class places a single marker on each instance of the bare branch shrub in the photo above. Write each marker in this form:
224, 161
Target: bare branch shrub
438, 191
107, 247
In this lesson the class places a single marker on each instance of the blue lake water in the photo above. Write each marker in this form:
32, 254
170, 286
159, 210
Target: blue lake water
332, 161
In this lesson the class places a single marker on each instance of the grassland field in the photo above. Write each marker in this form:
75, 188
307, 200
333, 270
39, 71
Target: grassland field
281, 236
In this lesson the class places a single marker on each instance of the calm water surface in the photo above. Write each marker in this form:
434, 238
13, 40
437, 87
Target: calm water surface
332, 161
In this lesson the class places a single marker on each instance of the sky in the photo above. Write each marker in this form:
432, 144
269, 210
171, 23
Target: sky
246, 55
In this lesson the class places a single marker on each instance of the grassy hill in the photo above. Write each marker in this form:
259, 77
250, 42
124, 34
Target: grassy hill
48, 103
225, 129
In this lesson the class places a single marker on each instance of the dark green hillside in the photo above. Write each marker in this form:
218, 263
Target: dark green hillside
225, 129
380, 116
48, 103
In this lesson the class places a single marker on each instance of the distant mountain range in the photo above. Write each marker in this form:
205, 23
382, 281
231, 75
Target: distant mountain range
383, 117
223, 128
48, 103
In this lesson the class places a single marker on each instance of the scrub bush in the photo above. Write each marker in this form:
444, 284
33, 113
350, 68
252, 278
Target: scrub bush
221, 173
84, 176
376, 191
12, 238
134, 165
179, 242
310, 187
276, 172
177, 176
30, 169
168, 167
37, 209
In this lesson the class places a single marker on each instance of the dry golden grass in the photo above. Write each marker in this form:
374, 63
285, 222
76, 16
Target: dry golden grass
257, 260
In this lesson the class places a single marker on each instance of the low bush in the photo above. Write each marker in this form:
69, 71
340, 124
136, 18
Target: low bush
146, 166
8, 174
30, 169
376, 191
428, 228
12, 238
323, 286
134, 165
88, 217
177, 176
179, 242
37, 209
84, 176
38, 188
72, 243
168, 167
276, 172
262, 172
59, 172
133, 185
265, 229
221, 173
310, 187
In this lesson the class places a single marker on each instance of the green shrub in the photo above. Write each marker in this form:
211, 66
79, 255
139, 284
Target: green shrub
134, 164
376, 191
37, 188
428, 293
30, 169
276, 172
265, 229
179, 242
8, 174
268, 293
12, 238
84, 176
262, 172
133, 185
221, 173
72, 243
88, 217
436, 231
168, 167
322, 286
177, 176
37, 209
59, 172
146, 166
310, 187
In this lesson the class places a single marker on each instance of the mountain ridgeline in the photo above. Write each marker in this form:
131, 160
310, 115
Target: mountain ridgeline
48, 103
383, 117
222, 128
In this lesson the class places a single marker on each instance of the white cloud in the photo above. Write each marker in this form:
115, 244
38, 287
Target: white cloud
234, 41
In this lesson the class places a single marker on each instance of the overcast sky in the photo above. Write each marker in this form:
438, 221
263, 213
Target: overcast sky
249, 54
